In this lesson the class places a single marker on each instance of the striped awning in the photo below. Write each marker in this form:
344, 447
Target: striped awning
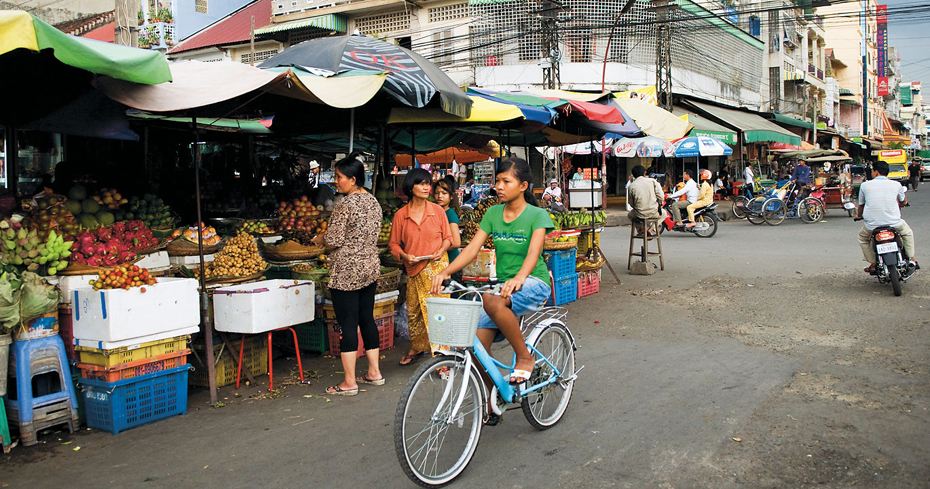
330, 22
794, 76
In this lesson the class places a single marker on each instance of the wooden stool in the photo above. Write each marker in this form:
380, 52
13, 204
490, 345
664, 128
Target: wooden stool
648, 224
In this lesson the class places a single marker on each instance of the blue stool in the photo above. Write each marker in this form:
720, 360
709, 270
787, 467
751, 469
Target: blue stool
41, 394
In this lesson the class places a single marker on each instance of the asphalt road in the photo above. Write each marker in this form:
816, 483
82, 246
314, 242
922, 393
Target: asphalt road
762, 357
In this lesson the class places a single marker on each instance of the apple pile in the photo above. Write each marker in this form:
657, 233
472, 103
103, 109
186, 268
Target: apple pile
123, 278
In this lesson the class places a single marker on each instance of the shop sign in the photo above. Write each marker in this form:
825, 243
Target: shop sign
882, 48
726, 137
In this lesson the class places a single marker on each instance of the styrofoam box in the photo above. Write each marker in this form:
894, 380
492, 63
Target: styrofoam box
67, 284
262, 306
116, 314
159, 259
133, 343
188, 260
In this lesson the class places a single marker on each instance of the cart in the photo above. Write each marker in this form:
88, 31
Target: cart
835, 197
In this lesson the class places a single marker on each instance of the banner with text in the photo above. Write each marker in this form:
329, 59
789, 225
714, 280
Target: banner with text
882, 48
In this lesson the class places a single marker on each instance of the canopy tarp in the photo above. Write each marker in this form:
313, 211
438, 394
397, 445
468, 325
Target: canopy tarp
812, 153
654, 121
21, 30
482, 111
791, 121
542, 113
198, 84
444, 156
92, 115
567, 95
242, 126
706, 127
754, 127
345, 90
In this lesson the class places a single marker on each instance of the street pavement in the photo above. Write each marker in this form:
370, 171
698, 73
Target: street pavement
762, 357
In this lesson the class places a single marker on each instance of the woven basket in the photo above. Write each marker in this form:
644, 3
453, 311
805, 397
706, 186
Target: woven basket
289, 250
183, 247
552, 245
389, 280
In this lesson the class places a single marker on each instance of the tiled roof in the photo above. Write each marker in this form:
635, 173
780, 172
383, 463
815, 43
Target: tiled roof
232, 29
79, 27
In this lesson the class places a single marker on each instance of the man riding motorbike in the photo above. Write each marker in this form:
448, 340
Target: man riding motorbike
880, 202
690, 191
705, 197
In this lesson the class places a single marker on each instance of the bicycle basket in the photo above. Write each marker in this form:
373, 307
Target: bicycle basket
452, 322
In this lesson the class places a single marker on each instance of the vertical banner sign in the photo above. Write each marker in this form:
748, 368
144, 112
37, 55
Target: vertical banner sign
881, 13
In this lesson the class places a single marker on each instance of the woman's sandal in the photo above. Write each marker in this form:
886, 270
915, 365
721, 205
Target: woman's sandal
493, 420
365, 380
518, 376
339, 391
409, 359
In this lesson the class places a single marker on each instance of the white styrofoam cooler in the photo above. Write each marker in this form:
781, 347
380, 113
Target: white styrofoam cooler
67, 284
156, 260
263, 306
188, 260
115, 314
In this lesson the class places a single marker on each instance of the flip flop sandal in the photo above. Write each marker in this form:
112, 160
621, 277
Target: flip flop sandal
364, 380
518, 376
493, 420
411, 359
338, 391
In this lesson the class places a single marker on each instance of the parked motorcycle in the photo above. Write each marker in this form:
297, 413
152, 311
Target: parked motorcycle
893, 265
705, 217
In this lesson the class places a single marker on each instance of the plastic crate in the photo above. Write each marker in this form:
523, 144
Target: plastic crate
134, 369
589, 282
254, 360
312, 336
565, 290
589, 239
381, 308
385, 335
119, 406
560, 263
130, 354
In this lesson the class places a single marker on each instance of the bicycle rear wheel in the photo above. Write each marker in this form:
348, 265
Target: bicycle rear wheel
432, 452
754, 210
810, 210
774, 211
544, 408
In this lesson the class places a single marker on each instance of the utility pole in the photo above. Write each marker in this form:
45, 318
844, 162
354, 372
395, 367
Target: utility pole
550, 44
663, 51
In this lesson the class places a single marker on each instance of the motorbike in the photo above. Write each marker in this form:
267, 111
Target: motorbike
706, 220
893, 265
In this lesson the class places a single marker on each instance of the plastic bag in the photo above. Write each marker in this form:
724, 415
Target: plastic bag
400, 324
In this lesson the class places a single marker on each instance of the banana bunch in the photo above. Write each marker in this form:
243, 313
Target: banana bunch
569, 220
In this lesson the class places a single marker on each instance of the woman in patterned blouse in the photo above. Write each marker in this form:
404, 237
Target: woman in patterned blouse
355, 268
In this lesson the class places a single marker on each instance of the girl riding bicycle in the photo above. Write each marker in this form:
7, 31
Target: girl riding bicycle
518, 228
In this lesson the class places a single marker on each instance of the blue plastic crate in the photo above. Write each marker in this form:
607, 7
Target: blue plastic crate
565, 290
119, 406
560, 263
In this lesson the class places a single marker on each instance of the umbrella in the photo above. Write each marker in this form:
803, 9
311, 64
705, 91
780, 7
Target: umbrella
654, 121
699, 146
648, 146
412, 79
47, 69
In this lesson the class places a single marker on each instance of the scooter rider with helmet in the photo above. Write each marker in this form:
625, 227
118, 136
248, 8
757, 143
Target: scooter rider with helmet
705, 197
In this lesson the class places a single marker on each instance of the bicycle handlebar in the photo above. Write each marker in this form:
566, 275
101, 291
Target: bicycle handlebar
453, 286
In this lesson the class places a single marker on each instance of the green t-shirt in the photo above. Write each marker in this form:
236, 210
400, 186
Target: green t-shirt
512, 240
453, 219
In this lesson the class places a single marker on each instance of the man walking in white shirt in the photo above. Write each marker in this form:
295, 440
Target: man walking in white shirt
690, 191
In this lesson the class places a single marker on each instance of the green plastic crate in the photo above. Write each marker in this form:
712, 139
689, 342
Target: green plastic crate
312, 336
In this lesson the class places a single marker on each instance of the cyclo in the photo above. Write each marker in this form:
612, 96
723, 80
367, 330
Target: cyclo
784, 201
445, 404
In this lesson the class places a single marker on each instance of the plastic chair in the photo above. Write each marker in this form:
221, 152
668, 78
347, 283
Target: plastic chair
55, 401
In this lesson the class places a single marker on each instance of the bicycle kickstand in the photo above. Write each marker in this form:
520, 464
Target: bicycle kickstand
565, 382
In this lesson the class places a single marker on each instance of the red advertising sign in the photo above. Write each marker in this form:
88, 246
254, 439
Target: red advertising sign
881, 38
882, 86
881, 14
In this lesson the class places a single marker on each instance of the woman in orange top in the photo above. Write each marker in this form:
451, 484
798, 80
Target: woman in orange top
420, 236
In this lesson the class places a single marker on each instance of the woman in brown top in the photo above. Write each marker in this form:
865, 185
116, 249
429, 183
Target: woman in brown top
355, 268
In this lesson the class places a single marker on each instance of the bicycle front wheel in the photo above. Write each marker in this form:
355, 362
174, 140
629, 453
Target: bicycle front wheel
432, 450
810, 210
544, 407
740, 210
774, 211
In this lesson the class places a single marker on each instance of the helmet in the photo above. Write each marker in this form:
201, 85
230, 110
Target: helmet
706, 175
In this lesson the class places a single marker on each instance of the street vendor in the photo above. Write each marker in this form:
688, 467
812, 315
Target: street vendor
420, 237
552, 197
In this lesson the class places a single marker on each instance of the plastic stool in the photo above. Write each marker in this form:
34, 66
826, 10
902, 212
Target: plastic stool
32, 411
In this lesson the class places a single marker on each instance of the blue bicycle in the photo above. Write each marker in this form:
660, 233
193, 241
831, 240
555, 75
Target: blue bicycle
445, 404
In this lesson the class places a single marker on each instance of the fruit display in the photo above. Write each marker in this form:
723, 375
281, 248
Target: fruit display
239, 258
149, 209
104, 248
470, 227
123, 278
210, 237
266, 198
254, 227
300, 214
51, 212
25, 250
92, 212
300, 236
571, 220
324, 261
135, 234
385, 233
306, 267
109, 198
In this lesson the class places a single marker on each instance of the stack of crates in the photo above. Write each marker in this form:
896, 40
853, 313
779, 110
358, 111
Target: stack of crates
589, 239
589, 282
133, 385
384, 319
254, 360
561, 265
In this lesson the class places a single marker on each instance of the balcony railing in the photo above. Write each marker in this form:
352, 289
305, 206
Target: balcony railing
157, 36
810, 69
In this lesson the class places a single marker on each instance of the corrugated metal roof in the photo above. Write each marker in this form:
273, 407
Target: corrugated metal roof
330, 22
232, 29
